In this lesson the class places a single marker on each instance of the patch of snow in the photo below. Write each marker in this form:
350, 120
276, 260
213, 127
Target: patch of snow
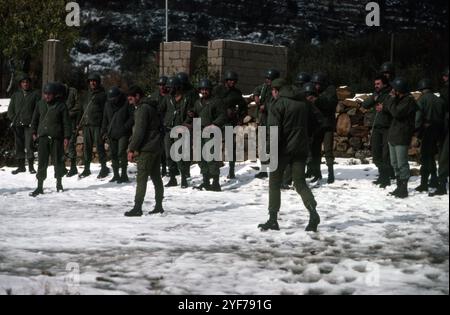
208, 243
4, 103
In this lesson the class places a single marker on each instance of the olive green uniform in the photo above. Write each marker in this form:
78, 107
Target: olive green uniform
93, 108
73, 105
403, 111
211, 111
20, 112
176, 114
147, 142
430, 124
236, 110
51, 124
380, 126
326, 103
292, 118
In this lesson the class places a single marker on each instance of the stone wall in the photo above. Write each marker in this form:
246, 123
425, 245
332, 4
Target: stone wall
249, 60
177, 57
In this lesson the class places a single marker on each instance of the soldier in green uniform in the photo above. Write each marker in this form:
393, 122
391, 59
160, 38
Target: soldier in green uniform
146, 146
443, 156
292, 118
300, 81
263, 99
51, 127
402, 108
158, 97
178, 109
70, 97
93, 108
118, 120
430, 128
387, 69
236, 108
188, 89
212, 112
20, 113
380, 129
326, 103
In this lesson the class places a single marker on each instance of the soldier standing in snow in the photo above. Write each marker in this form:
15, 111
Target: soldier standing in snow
145, 147
118, 120
292, 117
20, 112
263, 100
51, 127
93, 109
430, 128
402, 107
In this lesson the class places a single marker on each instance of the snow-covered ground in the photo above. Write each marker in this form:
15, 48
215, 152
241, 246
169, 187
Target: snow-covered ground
4, 103
208, 243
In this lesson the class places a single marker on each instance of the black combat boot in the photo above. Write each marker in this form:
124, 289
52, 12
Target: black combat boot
216, 184
39, 190
31, 166
87, 171
434, 181
231, 174
104, 171
73, 168
135, 212
116, 176
385, 180
172, 182
272, 224
314, 219
317, 178
262, 175
395, 192
21, 168
184, 182
331, 178
423, 184
59, 186
158, 209
124, 177
206, 185
441, 189
403, 190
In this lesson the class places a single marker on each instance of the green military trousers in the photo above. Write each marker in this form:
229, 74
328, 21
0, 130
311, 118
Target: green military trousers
298, 175
148, 166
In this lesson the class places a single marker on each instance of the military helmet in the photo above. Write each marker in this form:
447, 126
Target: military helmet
205, 84
309, 89
425, 84
114, 92
63, 90
400, 85
319, 78
231, 75
52, 88
272, 74
94, 77
174, 82
388, 67
278, 83
183, 77
23, 77
162, 80
303, 77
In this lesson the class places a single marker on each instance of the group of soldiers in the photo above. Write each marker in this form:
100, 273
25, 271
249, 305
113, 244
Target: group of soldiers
137, 128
